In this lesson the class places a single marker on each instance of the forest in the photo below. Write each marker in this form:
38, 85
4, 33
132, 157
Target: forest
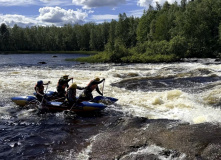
164, 33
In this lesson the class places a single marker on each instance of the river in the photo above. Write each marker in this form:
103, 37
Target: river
184, 96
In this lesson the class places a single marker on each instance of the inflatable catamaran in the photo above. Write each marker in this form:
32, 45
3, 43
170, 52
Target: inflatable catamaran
97, 104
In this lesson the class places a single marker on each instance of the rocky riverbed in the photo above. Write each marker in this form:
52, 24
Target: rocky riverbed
128, 135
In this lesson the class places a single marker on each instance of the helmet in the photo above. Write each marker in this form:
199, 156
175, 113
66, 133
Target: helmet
97, 79
74, 86
65, 76
40, 82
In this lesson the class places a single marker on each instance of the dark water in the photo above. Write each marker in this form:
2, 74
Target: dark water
26, 135
49, 60
48, 136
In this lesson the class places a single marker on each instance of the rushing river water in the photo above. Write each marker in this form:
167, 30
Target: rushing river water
188, 92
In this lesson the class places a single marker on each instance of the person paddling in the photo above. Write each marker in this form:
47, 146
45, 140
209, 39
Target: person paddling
71, 93
87, 94
39, 89
62, 85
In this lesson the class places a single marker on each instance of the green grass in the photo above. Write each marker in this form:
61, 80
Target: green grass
100, 57
135, 58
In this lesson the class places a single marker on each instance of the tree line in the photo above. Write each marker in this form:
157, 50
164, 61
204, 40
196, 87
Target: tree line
52, 38
167, 32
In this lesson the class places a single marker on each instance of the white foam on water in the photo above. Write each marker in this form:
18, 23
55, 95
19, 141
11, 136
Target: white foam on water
5, 113
84, 154
172, 104
153, 150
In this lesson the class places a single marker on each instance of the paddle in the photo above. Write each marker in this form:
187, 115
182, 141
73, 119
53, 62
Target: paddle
45, 92
103, 89
74, 105
47, 86
68, 111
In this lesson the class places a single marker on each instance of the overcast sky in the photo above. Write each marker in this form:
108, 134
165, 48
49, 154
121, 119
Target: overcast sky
59, 12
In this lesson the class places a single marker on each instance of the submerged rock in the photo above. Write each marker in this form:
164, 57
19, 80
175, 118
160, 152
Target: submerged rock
42, 62
181, 141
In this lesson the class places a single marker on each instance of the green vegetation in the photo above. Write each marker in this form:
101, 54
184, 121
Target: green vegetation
163, 34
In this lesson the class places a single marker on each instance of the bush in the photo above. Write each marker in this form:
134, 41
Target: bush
119, 52
178, 46
100, 57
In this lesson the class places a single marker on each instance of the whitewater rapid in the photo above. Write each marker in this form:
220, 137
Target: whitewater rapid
173, 104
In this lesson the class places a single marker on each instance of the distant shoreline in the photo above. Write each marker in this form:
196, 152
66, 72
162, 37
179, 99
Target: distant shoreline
50, 52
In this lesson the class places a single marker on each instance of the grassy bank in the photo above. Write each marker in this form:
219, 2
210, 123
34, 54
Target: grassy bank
129, 59
132, 55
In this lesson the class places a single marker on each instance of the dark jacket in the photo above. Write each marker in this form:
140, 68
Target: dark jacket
39, 90
93, 85
63, 83
71, 94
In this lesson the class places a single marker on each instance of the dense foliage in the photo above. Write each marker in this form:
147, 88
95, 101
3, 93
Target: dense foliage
165, 33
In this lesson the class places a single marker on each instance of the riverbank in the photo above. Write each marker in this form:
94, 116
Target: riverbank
50, 52
129, 56
104, 57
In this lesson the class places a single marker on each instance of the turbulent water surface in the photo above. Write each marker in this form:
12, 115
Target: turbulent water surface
182, 93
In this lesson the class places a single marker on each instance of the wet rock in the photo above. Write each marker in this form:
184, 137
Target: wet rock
54, 56
212, 151
189, 59
186, 84
142, 156
128, 75
127, 135
42, 62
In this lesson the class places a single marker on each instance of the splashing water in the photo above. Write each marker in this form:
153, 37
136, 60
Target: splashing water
170, 104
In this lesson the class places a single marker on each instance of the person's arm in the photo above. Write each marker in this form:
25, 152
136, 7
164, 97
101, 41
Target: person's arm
69, 79
98, 82
80, 88
98, 91
37, 91
64, 82
47, 83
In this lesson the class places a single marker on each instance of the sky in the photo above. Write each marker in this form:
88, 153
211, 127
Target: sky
59, 12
